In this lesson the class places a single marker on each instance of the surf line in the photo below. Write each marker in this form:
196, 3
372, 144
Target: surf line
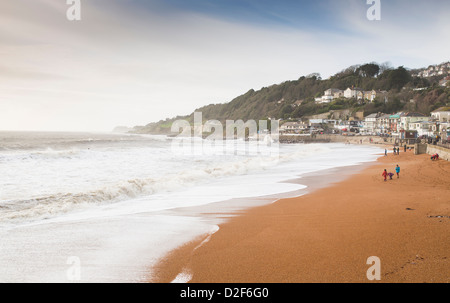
185, 276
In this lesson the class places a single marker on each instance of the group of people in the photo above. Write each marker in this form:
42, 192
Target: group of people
396, 150
435, 157
385, 174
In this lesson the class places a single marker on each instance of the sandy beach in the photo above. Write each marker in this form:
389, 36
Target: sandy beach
328, 235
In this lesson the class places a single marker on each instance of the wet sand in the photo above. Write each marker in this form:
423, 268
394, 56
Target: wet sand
328, 234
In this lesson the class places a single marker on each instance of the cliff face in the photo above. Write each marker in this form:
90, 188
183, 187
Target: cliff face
152, 128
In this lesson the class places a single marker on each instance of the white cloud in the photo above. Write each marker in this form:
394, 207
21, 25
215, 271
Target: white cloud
119, 66
410, 33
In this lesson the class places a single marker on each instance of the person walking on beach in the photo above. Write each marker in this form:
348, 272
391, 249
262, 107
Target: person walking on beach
385, 174
385, 152
397, 170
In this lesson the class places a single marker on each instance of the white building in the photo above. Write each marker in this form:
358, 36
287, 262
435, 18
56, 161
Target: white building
329, 95
423, 128
444, 81
408, 118
356, 93
333, 92
383, 125
293, 127
442, 114
370, 123
326, 99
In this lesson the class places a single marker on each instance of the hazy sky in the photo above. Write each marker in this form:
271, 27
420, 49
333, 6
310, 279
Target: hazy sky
131, 62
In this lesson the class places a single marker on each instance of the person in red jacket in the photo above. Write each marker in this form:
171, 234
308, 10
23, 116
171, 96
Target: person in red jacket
385, 174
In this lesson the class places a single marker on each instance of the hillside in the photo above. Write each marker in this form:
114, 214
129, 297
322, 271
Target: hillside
406, 90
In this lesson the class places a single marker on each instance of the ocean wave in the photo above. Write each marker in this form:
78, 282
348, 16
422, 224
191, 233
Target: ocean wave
49, 206
48, 153
52, 205
60, 203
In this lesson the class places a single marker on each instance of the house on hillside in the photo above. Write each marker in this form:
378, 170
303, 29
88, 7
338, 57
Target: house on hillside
444, 81
356, 93
329, 95
333, 91
327, 99
298, 103
368, 95
360, 94
348, 93
338, 94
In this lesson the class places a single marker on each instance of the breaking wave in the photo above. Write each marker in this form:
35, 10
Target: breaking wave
52, 205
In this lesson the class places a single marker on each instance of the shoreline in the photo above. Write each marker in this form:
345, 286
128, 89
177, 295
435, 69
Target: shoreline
311, 239
219, 213
222, 212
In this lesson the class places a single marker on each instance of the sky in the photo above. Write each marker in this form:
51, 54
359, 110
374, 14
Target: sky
132, 62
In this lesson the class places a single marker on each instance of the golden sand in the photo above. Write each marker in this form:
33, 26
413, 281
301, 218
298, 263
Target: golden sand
328, 235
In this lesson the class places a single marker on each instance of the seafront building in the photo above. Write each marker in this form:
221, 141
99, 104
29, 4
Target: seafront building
399, 123
370, 124
403, 125
383, 124
442, 114
293, 128
394, 121
424, 128
408, 118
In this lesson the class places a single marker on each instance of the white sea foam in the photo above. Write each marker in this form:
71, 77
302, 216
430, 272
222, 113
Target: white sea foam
100, 177
112, 200
186, 274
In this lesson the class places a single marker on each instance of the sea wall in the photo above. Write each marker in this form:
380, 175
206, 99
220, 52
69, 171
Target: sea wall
354, 139
420, 149
335, 139
303, 139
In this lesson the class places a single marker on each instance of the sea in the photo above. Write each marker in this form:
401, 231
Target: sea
104, 207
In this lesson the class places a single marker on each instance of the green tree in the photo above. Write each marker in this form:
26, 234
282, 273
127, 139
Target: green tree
286, 110
398, 78
369, 70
